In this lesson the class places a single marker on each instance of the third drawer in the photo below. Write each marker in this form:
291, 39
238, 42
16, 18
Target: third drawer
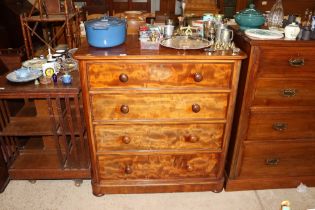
281, 125
156, 137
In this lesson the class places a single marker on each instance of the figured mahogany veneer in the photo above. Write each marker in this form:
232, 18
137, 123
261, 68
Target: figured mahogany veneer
148, 106
159, 137
273, 138
158, 120
137, 75
113, 167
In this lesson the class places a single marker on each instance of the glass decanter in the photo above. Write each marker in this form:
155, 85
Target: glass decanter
275, 17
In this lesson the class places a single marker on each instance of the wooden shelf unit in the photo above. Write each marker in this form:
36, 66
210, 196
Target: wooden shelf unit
45, 138
63, 23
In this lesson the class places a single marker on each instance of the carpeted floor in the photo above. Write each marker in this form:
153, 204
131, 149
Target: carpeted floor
64, 195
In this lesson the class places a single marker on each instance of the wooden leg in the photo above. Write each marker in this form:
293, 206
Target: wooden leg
78, 182
98, 195
32, 181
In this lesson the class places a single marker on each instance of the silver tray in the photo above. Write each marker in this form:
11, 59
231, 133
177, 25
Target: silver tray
185, 43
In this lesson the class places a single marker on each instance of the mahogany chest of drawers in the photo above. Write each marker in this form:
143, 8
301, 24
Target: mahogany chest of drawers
273, 137
158, 121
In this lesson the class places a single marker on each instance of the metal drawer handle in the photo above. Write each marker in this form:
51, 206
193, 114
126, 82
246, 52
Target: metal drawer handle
296, 62
126, 139
280, 126
288, 92
192, 138
124, 109
128, 169
123, 78
195, 108
272, 161
198, 77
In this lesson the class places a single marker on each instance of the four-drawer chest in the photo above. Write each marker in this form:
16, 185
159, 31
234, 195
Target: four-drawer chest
273, 138
158, 120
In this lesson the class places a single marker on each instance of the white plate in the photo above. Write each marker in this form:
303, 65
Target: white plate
34, 74
34, 63
263, 34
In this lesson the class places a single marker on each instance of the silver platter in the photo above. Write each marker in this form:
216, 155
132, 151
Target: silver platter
185, 43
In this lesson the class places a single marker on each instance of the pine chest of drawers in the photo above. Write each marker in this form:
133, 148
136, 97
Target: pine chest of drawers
273, 137
158, 121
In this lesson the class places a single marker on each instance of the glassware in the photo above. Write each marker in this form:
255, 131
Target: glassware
275, 17
68, 65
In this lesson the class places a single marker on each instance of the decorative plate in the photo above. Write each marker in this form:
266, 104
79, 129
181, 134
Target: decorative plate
185, 43
32, 75
263, 34
34, 63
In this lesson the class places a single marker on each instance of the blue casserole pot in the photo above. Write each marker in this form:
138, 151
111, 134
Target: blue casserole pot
105, 32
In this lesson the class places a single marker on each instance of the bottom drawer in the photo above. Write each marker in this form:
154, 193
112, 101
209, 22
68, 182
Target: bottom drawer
113, 167
276, 159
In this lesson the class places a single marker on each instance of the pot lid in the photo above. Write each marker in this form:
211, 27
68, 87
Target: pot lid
105, 22
251, 11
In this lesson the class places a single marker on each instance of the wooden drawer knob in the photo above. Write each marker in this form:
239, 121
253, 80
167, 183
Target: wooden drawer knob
279, 126
192, 138
128, 169
124, 109
123, 78
198, 77
126, 139
195, 108
272, 161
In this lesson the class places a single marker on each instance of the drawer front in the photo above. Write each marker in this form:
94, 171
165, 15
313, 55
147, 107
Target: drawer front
284, 93
274, 159
159, 75
268, 126
155, 137
113, 167
159, 106
289, 62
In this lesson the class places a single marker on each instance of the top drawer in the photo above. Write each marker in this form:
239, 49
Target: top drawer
288, 62
115, 74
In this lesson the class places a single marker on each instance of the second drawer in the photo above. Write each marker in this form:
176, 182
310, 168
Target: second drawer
155, 137
144, 106
284, 93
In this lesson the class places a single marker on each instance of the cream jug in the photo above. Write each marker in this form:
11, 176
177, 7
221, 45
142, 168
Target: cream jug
291, 31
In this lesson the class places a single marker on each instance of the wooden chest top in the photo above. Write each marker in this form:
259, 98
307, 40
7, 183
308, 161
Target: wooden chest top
131, 50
